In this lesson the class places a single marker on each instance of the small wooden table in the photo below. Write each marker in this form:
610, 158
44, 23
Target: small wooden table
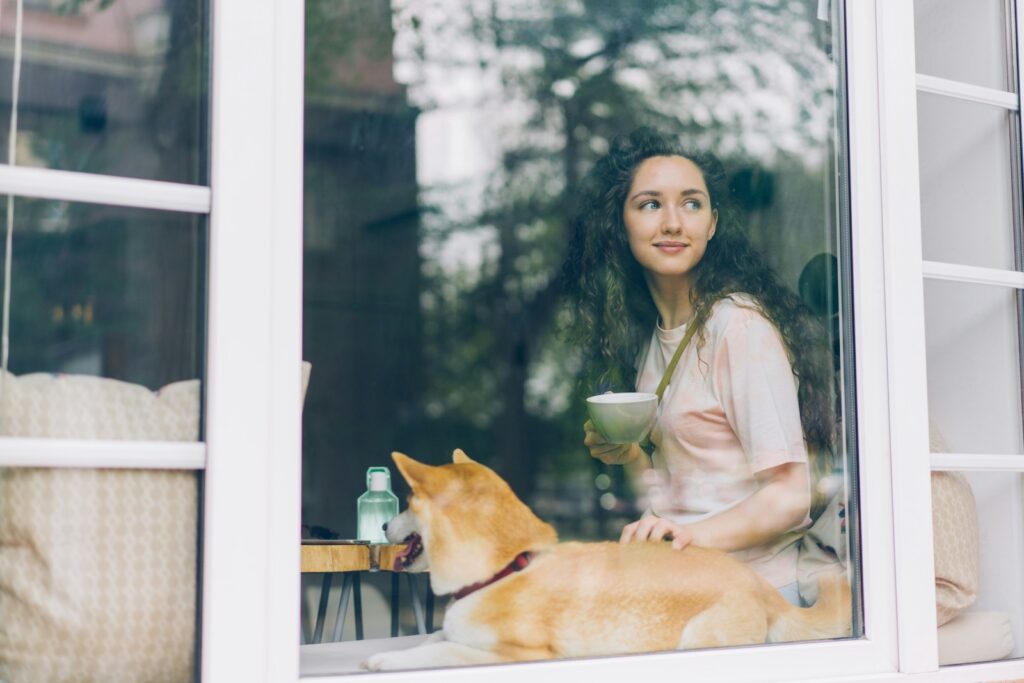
350, 559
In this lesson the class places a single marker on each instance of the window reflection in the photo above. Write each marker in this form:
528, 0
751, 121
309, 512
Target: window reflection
115, 87
445, 151
107, 291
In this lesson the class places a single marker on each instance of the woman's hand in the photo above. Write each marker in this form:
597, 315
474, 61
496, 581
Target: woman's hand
654, 528
608, 453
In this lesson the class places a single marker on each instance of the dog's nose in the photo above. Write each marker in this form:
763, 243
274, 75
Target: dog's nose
384, 526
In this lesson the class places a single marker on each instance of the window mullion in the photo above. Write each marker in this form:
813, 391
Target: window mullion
977, 462
71, 186
1017, 175
250, 627
967, 92
904, 316
81, 453
935, 270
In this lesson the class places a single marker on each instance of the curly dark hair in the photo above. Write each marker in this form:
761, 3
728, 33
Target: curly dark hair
613, 309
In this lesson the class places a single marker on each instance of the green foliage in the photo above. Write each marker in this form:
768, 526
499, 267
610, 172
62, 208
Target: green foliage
514, 100
751, 80
341, 37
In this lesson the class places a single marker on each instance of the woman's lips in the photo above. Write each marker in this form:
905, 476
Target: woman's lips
670, 247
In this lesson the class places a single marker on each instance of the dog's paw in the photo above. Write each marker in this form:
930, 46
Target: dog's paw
380, 662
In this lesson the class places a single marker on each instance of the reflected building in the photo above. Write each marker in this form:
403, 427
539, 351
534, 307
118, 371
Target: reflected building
361, 316
117, 90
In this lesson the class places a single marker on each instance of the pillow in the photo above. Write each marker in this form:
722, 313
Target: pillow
976, 637
955, 537
83, 407
98, 566
97, 575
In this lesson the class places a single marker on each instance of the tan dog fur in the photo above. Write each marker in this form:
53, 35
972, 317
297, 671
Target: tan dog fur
579, 599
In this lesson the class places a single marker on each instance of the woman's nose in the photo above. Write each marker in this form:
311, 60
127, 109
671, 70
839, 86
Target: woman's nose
672, 220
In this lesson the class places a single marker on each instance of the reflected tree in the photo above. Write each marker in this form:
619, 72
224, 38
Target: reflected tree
751, 80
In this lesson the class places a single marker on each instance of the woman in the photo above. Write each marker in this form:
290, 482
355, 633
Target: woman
655, 246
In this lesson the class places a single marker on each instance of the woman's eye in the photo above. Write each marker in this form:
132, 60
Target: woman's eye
650, 204
692, 204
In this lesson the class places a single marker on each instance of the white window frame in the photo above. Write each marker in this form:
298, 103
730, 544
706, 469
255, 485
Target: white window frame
898, 578
904, 316
251, 457
252, 452
904, 275
253, 427
875, 653
995, 277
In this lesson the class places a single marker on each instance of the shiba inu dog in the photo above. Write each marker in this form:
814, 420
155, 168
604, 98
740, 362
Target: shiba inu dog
522, 595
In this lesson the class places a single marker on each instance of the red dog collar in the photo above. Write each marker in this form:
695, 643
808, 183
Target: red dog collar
521, 562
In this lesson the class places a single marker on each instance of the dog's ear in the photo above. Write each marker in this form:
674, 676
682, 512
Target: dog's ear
416, 474
459, 457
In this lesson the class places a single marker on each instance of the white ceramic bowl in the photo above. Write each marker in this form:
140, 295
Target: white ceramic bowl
625, 417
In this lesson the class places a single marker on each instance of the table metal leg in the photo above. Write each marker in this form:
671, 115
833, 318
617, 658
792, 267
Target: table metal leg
339, 621
358, 605
430, 608
417, 605
321, 612
303, 613
394, 604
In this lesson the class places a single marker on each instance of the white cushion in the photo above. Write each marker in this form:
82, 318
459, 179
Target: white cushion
975, 637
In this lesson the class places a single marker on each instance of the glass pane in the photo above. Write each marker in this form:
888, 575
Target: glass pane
964, 41
967, 203
978, 557
97, 574
118, 87
974, 387
448, 150
113, 293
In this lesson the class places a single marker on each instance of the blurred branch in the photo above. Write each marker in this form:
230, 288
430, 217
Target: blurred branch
75, 6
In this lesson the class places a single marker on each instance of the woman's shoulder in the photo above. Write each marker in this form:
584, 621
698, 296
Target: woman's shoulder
739, 318
733, 310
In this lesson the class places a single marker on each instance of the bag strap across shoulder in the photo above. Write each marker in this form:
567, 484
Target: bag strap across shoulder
647, 446
690, 330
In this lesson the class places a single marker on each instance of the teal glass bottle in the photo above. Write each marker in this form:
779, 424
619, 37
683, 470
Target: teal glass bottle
376, 507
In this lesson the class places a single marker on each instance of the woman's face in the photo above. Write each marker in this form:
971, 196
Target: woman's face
668, 216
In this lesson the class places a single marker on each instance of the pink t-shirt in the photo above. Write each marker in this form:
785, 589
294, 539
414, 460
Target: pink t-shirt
730, 411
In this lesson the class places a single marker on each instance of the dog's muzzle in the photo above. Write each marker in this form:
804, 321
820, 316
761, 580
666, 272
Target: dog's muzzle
412, 552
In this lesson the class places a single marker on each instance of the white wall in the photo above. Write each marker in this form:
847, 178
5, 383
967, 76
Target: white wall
962, 40
966, 197
974, 400
967, 208
1000, 521
973, 376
